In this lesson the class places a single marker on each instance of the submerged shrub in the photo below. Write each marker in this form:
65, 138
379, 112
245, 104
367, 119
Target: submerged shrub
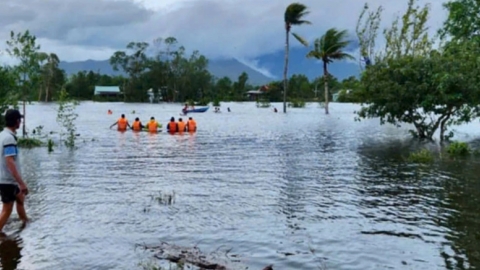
422, 156
296, 103
29, 142
458, 149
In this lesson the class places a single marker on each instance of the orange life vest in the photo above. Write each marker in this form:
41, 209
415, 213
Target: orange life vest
136, 126
172, 127
181, 126
122, 124
152, 126
191, 125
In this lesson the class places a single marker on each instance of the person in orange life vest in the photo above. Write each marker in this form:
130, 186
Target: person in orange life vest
172, 126
181, 125
153, 125
121, 123
137, 125
191, 125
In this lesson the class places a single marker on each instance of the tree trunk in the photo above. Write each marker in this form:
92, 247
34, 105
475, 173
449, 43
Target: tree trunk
46, 93
23, 122
40, 94
325, 82
285, 71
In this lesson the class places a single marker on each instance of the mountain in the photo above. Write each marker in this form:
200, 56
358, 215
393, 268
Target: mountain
231, 68
299, 64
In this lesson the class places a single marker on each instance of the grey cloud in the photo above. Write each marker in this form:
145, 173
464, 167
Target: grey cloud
76, 19
218, 28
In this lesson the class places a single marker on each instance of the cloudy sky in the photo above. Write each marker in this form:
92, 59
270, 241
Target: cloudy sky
94, 29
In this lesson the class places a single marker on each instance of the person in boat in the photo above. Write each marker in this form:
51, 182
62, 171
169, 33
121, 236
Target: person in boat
172, 126
12, 186
191, 125
181, 126
122, 123
153, 125
137, 125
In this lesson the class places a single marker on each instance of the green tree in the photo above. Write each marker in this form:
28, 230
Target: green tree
367, 32
294, 15
411, 83
330, 47
463, 22
134, 64
52, 77
23, 46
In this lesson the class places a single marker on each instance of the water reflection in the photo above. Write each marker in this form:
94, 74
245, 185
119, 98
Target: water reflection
10, 249
436, 204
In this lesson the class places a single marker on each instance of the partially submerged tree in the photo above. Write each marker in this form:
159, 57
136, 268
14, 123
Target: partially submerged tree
23, 47
411, 83
294, 15
133, 64
330, 47
463, 22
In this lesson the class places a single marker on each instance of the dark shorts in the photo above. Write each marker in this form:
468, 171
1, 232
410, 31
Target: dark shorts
9, 192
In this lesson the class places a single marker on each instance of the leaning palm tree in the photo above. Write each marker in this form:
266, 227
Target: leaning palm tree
330, 47
293, 16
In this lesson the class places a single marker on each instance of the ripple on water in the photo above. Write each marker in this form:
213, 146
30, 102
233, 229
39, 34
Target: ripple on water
298, 190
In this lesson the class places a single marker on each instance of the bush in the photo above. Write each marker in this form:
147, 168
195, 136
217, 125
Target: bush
458, 149
422, 156
296, 103
29, 142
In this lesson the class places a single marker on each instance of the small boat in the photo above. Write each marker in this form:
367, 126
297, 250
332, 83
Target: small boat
198, 110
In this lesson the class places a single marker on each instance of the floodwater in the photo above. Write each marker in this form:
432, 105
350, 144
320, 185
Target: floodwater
300, 191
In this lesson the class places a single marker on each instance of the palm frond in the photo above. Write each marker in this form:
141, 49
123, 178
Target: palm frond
295, 13
300, 39
331, 46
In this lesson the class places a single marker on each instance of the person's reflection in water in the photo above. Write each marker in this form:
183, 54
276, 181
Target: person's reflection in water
10, 247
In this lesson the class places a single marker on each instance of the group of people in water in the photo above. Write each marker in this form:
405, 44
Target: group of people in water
153, 126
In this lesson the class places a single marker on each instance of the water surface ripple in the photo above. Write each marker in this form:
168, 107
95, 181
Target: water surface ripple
300, 191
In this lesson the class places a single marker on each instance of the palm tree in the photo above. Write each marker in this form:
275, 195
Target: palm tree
293, 16
328, 48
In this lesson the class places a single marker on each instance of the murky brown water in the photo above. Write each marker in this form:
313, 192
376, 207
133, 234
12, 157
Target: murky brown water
327, 189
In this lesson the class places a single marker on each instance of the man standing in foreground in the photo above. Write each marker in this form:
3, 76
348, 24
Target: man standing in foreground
12, 188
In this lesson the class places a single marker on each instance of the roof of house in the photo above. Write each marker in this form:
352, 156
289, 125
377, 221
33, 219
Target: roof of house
107, 89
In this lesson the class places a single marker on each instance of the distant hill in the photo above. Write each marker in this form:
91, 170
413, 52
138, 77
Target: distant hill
232, 68
220, 68
299, 64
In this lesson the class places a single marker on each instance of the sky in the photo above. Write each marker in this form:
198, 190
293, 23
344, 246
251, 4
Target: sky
243, 29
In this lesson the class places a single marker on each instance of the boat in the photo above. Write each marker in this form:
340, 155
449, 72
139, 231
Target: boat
198, 110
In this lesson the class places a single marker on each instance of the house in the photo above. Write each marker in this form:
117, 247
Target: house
254, 94
107, 91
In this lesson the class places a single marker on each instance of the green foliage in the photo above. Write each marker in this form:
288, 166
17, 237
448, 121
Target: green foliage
296, 103
263, 103
458, 149
66, 117
367, 32
422, 156
216, 103
294, 15
328, 48
463, 22
27, 73
411, 83
29, 142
